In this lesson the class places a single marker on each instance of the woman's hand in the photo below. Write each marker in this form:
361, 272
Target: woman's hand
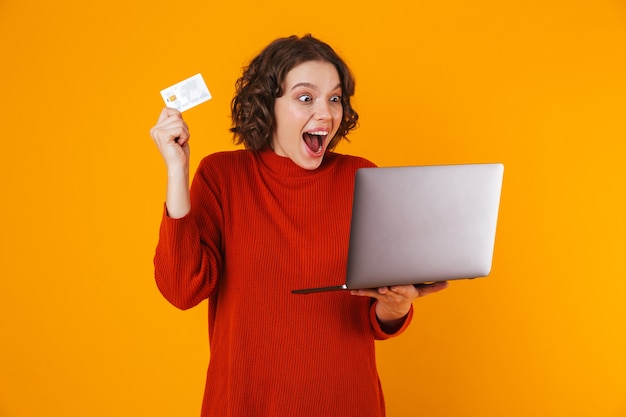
171, 136
394, 303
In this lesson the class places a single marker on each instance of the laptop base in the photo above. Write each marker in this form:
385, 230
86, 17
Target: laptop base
320, 289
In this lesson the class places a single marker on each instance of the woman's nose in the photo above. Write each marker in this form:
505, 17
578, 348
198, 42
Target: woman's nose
322, 110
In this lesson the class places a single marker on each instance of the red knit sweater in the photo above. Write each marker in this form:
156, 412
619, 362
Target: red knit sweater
259, 227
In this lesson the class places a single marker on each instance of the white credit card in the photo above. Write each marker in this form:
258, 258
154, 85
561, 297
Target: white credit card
186, 94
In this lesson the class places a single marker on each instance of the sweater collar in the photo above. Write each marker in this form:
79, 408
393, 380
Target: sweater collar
283, 166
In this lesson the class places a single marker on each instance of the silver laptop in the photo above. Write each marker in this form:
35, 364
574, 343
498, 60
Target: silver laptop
421, 224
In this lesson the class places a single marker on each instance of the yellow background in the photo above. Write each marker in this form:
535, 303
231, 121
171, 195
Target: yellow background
539, 85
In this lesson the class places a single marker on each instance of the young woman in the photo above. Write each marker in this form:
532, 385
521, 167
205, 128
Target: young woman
261, 221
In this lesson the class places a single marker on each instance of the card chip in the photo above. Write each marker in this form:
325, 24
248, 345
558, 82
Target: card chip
172, 98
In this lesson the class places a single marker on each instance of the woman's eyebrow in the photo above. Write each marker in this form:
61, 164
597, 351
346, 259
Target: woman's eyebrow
303, 84
310, 85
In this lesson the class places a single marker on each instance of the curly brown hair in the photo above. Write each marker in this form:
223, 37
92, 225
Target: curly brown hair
252, 107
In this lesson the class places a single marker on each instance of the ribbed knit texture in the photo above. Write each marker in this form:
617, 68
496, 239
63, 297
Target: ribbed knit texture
259, 227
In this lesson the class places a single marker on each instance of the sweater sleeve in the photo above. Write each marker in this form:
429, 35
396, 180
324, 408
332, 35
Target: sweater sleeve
379, 333
188, 258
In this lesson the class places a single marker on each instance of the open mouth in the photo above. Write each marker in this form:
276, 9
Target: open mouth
315, 140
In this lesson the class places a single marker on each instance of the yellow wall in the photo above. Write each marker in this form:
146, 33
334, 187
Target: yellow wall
539, 85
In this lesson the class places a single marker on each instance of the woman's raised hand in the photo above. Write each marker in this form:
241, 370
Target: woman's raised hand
171, 136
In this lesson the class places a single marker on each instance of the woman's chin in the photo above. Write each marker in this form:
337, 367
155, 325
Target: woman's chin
311, 160
310, 164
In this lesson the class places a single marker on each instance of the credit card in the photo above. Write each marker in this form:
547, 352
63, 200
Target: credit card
186, 94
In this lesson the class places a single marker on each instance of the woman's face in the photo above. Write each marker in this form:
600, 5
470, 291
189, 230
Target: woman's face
308, 114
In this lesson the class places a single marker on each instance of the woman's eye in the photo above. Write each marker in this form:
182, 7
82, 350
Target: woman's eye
336, 99
305, 98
